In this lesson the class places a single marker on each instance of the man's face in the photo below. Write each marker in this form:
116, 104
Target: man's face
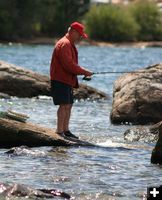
76, 36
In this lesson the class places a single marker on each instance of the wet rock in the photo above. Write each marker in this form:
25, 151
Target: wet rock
24, 150
137, 96
156, 156
4, 96
17, 190
140, 133
14, 115
20, 82
15, 133
151, 133
87, 92
16, 150
16, 81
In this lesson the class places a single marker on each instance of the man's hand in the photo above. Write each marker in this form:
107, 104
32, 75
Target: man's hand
88, 73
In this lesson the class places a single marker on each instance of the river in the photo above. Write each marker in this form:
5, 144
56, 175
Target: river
111, 172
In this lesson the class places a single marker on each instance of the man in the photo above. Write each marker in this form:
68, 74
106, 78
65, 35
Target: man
63, 73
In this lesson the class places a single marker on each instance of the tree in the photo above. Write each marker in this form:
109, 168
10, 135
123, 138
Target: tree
28, 18
60, 14
18, 18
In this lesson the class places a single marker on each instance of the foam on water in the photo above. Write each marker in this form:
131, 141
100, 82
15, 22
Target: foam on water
110, 143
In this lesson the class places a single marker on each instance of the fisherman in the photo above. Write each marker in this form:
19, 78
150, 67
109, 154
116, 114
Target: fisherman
64, 69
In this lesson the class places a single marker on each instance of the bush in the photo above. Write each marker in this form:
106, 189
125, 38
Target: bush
149, 18
56, 15
111, 23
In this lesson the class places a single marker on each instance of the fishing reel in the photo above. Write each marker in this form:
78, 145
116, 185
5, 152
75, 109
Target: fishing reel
87, 78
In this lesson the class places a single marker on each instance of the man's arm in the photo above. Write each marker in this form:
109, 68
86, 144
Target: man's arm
68, 63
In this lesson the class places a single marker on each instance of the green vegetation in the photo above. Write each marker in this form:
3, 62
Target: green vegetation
149, 18
18, 18
111, 23
141, 20
58, 14
30, 18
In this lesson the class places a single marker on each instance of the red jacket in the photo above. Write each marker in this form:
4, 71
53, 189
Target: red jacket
64, 64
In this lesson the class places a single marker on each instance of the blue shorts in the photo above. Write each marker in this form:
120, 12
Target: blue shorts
61, 93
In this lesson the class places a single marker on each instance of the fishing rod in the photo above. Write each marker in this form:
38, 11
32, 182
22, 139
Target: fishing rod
88, 78
118, 72
141, 71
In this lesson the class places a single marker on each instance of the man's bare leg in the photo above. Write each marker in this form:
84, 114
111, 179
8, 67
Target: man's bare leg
61, 116
67, 118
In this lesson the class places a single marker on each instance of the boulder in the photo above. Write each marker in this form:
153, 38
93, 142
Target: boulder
137, 96
17, 133
20, 82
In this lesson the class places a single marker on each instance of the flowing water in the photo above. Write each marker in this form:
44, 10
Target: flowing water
115, 170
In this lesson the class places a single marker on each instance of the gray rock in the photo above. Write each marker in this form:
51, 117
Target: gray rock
20, 82
15, 133
4, 96
25, 150
16, 81
137, 96
16, 190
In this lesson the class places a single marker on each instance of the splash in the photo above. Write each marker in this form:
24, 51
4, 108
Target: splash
110, 144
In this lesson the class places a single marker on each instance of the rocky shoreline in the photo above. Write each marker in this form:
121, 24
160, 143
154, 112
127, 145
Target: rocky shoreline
52, 41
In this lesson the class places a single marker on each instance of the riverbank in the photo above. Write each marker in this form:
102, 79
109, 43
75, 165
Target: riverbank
50, 41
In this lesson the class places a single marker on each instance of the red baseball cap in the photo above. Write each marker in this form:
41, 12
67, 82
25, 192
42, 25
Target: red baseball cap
80, 28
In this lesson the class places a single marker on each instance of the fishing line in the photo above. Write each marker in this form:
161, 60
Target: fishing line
88, 78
